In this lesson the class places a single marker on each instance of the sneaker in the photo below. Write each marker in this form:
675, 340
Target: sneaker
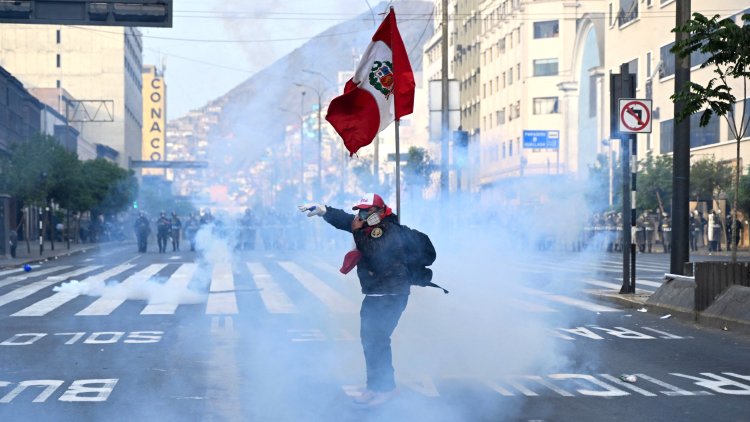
372, 398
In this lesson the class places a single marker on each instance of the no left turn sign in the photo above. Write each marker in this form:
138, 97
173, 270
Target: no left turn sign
635, 115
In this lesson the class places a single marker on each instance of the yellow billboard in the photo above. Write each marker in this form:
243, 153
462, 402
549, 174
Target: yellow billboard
154, 119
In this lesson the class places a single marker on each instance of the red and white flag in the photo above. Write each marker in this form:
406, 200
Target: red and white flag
381, 90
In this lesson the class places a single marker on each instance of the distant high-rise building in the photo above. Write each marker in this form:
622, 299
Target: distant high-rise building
101, 65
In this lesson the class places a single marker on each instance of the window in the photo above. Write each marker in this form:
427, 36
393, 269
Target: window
648, 65
546, 105
501, 44
490, 86
58, 60
699, 136
510, 76
517, 109
504, 80
57, 83
59, 36
503, 149
500, 114
730, 135
628, 11
510, 148
518, 72
545, 67
611, 16
667, 64
633, 69
546, 29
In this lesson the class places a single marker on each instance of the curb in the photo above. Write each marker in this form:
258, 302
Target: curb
710, 321
47, 258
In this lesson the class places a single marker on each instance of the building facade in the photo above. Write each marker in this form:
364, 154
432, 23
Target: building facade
540, 68
100, 65
55, 123
648, 23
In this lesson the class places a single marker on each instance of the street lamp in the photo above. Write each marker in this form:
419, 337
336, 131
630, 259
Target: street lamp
301, 156
319, 93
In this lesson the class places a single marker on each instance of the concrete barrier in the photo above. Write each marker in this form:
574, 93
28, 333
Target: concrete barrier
675, 294
730, 310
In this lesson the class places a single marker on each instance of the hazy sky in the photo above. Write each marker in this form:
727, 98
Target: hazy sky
199, 71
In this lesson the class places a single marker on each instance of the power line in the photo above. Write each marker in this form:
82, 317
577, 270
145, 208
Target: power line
308, 16
102, 33
229, 41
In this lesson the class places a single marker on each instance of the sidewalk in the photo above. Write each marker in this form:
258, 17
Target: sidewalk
732, 312
61, 249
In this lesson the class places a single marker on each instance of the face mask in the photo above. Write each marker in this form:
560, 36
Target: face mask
372, 219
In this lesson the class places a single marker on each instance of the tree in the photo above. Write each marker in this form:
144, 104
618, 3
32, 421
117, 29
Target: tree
27, 170
419, 168
708, 178
725, 44
112, 188
655, 182
744, 198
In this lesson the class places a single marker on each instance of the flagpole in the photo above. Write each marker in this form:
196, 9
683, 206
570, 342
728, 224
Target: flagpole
398, 173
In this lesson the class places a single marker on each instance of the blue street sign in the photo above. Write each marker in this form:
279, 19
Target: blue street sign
538, 139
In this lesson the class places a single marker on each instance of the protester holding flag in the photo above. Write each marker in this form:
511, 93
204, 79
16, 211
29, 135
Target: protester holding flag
389, 258
381, 90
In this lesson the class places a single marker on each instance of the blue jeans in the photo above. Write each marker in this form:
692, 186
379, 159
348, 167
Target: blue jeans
379, 316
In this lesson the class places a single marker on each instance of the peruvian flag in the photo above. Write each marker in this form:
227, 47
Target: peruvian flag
381, 90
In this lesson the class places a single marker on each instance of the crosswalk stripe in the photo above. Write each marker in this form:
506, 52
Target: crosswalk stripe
32, 288
108, 303
221, 297
13, 271
70, 275
32, 274
274, 298
47, 305
177, 282
335, 301
567, 300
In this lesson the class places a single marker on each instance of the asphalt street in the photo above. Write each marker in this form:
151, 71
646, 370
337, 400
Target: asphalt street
273, 336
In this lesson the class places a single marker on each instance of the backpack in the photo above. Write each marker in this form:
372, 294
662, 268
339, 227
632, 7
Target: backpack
420, 255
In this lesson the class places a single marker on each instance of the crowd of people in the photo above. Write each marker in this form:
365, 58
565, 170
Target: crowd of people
605, 232
269, 229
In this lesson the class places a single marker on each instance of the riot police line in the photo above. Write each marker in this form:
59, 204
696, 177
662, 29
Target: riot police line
269, 231
711, 233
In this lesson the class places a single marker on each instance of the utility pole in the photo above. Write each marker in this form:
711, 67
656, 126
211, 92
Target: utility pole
681, 158
444, 180
320, 150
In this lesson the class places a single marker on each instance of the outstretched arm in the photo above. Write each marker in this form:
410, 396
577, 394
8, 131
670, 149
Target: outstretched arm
339, 219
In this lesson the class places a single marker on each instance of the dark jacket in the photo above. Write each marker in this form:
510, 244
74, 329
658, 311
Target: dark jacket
142, 226
388, 260
163, 226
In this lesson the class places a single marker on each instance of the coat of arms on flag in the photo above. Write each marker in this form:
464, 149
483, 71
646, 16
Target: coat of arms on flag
381, 77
